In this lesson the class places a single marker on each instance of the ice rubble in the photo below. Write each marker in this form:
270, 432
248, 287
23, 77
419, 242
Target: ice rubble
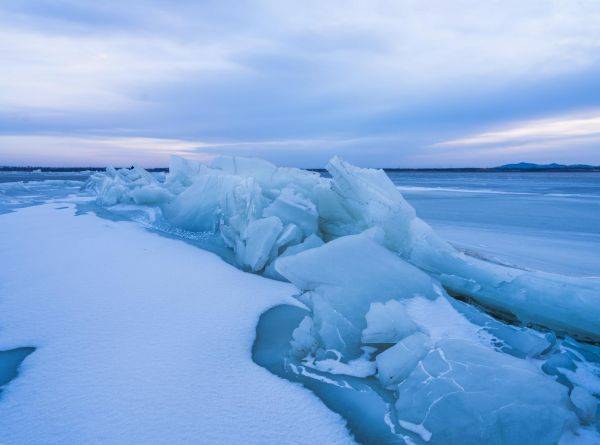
440, 363
262, 210
375, 278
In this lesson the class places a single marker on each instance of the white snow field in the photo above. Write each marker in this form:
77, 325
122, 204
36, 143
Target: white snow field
139, 339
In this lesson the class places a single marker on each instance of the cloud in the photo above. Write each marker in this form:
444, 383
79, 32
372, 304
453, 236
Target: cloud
539, 130
541, 140
97, 151
378, 81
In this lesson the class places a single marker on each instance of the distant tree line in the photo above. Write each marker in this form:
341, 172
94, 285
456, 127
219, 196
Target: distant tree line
6, 168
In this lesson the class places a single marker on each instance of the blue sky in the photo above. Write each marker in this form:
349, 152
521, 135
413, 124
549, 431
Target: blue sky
381, 83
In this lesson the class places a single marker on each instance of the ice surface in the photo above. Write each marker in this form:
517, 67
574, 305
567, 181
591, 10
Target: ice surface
490, 398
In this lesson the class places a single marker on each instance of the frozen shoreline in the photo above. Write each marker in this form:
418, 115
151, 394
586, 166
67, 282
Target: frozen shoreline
402, 306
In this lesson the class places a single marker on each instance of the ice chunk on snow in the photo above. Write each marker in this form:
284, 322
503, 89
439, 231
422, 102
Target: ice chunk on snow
387, 323
182, 173
396, 363
214, 200
150, 195
372, 200
272, 179
126, 186
310, 242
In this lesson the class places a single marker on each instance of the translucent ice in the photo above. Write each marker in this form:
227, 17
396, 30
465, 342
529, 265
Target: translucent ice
454, 383
394, 364
304, 341
290, 207
230, 193
586, 404
257, 243
359, 271
559, 302
387, 323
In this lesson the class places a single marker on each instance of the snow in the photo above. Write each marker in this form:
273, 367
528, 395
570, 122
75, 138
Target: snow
139, 339
387, 323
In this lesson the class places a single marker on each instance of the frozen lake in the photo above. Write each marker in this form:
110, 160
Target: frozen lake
193, 301
547, 221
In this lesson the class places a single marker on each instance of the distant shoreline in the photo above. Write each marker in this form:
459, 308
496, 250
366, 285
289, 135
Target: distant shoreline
501, 169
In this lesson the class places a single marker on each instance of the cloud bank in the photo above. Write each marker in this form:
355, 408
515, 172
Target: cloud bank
384, 83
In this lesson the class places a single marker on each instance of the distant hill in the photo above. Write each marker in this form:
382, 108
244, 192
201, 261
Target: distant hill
528, 166
518, 167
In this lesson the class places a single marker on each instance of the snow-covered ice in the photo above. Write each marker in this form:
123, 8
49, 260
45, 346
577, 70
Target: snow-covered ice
139, 339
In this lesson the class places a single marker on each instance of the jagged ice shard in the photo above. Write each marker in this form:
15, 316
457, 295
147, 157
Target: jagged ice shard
375, 278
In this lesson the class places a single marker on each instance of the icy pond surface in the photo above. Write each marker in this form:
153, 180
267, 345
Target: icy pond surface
399, 358
366, 407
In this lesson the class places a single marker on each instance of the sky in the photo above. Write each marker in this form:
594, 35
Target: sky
427, 83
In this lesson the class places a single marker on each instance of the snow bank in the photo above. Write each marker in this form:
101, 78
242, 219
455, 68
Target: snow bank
139, 339
262, 210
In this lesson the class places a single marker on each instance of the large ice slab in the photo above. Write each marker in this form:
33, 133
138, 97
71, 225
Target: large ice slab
463, 393
345, 277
